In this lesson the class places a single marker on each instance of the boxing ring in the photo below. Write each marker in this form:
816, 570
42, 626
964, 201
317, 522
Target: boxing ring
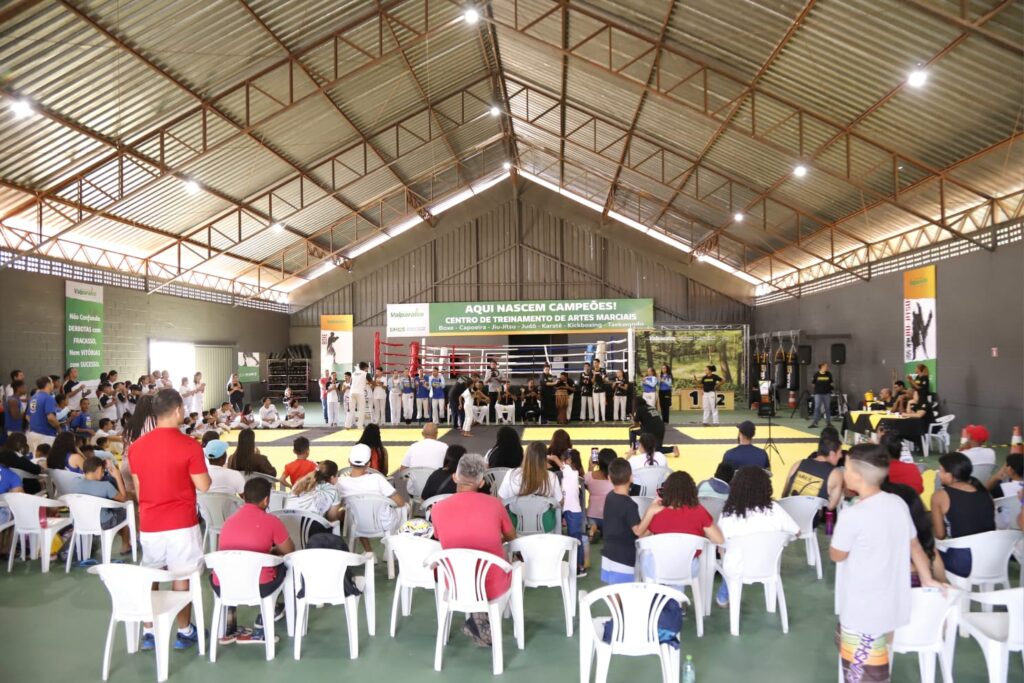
523, 361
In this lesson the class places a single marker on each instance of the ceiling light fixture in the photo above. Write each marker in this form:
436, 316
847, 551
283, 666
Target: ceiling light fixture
495, 110
21, 109
917, 78
507, 165
738, 217
192, 187
277, 227
471, 16
800, 171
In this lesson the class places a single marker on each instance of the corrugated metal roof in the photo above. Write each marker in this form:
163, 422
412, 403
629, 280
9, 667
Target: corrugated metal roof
844, 57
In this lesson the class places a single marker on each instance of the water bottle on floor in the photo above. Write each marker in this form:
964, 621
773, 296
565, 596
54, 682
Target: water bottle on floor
689, 672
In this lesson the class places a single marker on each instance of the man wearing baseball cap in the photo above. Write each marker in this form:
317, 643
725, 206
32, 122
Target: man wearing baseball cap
746, 454
975, 449
222, 479
361, 481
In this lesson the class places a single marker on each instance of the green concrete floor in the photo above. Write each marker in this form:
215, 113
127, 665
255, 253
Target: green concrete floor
52, 628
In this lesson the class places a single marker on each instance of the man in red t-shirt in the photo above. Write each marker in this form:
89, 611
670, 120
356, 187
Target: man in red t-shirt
252, 528
477, 521
167, 468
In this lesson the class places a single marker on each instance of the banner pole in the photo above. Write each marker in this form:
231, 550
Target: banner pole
630, 353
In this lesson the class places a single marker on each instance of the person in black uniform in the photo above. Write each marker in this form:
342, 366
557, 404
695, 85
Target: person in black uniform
530, 398
646, 420
823, 384
921, 382
709, 382
457, 389
547, 395
665, 392
600, 398
586, 391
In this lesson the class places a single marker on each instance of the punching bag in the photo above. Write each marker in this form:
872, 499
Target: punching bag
780, 370
794, 372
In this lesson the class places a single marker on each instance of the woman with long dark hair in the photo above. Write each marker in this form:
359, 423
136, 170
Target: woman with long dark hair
507, 450
64, 454
533, 478
247, 459
560, 443
440, 480
378, 453
647, 453
962, 507
749, 509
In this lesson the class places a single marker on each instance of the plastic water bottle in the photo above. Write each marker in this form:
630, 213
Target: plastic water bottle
830, 521
689, 672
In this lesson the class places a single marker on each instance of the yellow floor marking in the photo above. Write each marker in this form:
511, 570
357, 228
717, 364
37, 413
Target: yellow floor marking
730, 432
620, 432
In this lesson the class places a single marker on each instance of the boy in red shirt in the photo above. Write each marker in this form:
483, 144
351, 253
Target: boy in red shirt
901, 472
168, 468
254, 529
302, 465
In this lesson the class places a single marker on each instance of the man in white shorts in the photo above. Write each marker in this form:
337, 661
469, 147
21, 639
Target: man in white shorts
168, 467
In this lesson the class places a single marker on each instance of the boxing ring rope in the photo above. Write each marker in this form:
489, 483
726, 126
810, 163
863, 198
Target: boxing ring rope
514, 360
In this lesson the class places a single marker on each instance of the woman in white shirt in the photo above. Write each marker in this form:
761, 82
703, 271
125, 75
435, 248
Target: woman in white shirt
198, 393
333, 401
533, 478
647, 453
749, 509
269, 418
296, 416
317, 492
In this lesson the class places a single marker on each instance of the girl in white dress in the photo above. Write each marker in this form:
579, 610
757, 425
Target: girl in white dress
269, 417
296, 416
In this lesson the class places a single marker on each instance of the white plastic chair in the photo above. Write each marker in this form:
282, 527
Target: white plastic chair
713, 506
930, 633
990, 560
642, 503
134, 602
1007, 512
429, 503
998, 633
550, 561
363, 520
460, 587
278, 500
635, 609
649, 479
803, 510
530, 511
319, 573
85, 515
762, 563
415, 479
494, 476
62, 481
238, 572
275, 483
938, 431
27, 530
299, 522
411, 553
667, 559
215, 508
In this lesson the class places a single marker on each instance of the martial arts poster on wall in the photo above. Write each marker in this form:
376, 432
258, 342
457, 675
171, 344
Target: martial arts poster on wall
919, 328
687, 352
336, 343
83, 329
248, 367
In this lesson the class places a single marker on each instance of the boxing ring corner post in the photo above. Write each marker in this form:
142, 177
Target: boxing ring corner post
376, 350
630, 353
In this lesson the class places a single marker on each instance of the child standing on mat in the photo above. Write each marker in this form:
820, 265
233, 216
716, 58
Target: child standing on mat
875, 543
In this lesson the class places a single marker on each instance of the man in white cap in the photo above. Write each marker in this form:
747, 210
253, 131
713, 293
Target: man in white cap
361, 481
222, 479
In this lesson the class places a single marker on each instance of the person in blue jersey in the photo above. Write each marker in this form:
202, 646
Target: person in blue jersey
408, 397
42, 414
649, 387
435, 384
422, 398
81, 423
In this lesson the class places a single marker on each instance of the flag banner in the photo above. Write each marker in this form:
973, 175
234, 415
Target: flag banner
83, 329
336, 343
919, 326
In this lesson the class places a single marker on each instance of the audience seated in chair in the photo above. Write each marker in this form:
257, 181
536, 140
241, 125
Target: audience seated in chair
361, 481
718, 485
252, 528
962, 507
441, 480
474, 520
94, 484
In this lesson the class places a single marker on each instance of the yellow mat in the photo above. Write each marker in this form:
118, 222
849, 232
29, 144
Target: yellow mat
387, 435
265, 435
728, 433
618, 433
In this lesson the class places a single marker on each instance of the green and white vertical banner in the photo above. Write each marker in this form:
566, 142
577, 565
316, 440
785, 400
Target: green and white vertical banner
248, 367
83, 329
919, 327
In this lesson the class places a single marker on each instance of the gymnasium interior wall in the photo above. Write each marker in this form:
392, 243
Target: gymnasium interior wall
509, 245
32, 326
980, 306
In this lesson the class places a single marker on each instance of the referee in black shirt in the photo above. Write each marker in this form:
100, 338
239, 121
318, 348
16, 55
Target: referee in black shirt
823, 385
